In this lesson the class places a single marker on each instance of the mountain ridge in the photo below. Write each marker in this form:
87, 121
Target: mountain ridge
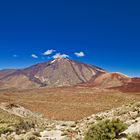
58, 72
65, 72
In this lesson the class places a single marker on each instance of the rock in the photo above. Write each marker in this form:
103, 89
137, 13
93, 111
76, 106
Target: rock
30, 135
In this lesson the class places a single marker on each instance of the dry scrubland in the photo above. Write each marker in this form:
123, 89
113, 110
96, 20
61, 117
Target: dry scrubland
71, 103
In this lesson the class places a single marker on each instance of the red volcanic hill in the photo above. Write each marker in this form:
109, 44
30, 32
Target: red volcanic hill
133, 86
117, 81
108, 80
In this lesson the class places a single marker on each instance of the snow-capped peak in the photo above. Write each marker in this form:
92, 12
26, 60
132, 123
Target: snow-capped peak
58, 59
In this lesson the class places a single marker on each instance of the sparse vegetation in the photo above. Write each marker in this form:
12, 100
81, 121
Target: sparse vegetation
25, 125
69, 103
105, 130
96, 126
134, 136
99, 118
7, 122
4, 130
27, 128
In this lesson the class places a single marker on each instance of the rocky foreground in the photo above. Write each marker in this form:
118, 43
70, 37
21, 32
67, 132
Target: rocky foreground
18, 123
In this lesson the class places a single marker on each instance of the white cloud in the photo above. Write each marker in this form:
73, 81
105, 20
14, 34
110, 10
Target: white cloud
34, 56
48, 52
58, 55
79, 54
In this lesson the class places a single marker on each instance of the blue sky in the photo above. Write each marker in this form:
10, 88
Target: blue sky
106, 31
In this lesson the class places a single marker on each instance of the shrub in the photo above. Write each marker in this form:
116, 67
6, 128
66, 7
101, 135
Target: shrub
25, 125
135, 136
105, 130
4, 130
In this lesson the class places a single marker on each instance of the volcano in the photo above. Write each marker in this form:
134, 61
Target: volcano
56, 73
62, 72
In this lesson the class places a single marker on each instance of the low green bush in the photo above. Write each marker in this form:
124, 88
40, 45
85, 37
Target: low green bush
106, 130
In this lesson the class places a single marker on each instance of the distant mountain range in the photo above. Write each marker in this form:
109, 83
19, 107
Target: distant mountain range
64, 72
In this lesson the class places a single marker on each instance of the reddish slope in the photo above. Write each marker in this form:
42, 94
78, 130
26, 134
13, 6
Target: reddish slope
116, 81
109, 80
133, 86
